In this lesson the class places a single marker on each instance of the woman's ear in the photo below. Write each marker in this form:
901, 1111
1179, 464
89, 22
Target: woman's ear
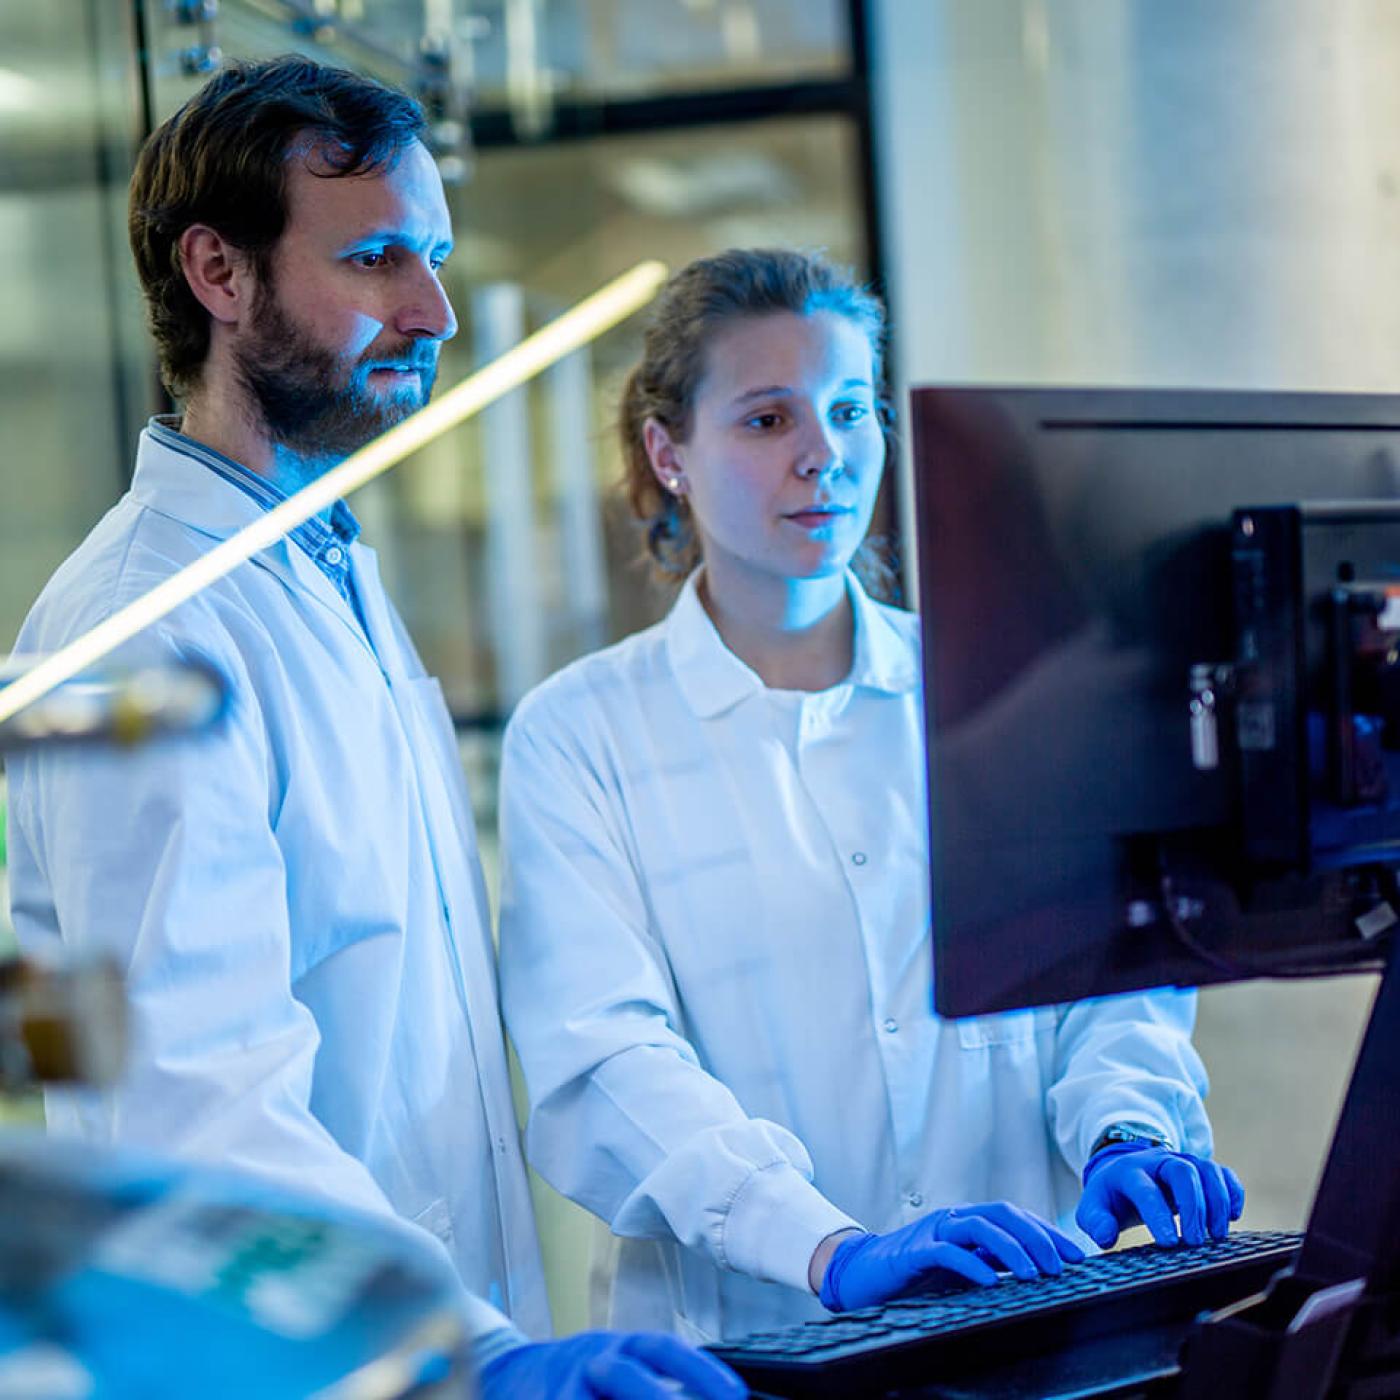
217, 273
665, 457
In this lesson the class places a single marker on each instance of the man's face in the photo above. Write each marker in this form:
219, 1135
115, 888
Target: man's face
343, 340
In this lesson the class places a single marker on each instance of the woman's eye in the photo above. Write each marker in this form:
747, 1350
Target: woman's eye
851, 412
764, 421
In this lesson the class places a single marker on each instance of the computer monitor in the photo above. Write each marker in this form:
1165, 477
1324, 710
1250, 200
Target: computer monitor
1162, 657
1162, 673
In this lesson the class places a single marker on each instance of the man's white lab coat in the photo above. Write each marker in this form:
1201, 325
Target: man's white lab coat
296, 899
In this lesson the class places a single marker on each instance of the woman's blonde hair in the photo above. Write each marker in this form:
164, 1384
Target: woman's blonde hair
695, 304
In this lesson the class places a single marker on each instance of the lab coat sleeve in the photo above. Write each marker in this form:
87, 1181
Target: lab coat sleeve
165, 858
1128, 1059
623, 1118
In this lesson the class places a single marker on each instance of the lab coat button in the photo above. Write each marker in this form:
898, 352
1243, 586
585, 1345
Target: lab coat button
916, 1199
891, 1025
859, 858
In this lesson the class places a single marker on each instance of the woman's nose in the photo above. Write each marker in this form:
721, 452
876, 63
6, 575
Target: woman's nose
819, 457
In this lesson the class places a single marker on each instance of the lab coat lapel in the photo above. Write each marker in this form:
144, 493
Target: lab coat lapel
452, 837
172, 484
295, 568
383, 639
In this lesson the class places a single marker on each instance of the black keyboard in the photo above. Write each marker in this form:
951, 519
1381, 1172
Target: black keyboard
936, 1338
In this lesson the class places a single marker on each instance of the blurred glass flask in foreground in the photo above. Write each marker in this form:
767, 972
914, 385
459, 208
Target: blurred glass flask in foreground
116, 702
61, 1024
66, 1022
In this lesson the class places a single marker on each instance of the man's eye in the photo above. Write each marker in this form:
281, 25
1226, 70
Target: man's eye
375, 259
764, 421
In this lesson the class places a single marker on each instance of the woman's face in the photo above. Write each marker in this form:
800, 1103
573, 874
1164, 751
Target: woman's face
785, 450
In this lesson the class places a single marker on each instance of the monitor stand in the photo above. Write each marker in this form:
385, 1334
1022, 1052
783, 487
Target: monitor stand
1330, 1324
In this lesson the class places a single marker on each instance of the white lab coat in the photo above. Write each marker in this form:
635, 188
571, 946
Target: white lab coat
296, 899
716, 966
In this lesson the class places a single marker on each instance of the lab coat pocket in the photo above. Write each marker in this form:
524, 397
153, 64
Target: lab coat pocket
1005, 1028
437, 1220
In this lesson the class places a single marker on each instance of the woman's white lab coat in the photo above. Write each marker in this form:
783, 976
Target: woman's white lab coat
716, 967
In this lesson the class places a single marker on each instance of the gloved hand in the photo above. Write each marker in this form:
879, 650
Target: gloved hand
870, 1269
1130, 1183
608, 1366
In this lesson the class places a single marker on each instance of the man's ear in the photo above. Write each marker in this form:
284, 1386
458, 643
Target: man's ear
665, 457
218, 274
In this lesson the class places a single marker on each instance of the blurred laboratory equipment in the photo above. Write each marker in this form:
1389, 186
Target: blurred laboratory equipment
61, 1024
121, 1276
124, 1275
118, 702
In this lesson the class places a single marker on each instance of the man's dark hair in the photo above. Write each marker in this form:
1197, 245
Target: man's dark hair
221, 160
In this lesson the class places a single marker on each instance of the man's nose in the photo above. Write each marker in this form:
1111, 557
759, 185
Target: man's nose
427, 311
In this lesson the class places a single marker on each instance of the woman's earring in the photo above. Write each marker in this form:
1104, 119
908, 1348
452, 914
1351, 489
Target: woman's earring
673, 484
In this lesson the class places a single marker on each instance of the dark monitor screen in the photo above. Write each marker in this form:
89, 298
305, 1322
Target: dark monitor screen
1162, 666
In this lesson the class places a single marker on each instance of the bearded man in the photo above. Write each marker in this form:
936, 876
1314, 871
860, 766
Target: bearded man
297, 900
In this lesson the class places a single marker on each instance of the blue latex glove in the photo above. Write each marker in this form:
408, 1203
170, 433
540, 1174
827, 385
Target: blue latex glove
609, 1366
1129, 1183
870, 1269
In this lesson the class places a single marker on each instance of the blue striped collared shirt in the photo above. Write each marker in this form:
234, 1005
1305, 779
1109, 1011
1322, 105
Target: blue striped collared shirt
328, 546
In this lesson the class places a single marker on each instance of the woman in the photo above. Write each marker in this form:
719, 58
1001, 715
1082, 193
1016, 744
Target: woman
714, 930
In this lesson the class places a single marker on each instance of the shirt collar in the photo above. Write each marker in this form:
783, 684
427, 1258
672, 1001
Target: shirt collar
713, 679
326, 545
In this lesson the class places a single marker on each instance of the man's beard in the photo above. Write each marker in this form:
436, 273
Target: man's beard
310, 399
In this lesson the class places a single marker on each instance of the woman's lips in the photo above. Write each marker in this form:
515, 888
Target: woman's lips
817, 517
